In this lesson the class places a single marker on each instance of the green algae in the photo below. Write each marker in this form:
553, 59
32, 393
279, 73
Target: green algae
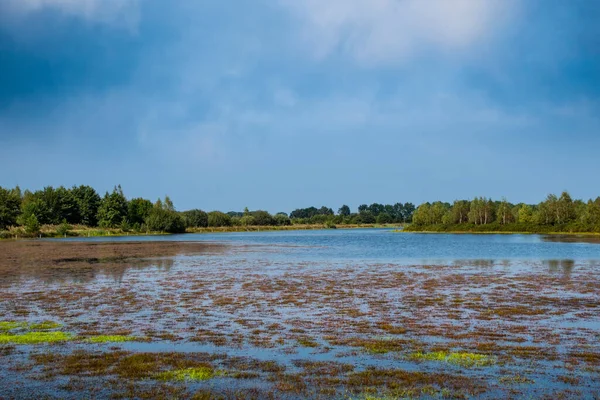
35, 338
111, 339
6, 326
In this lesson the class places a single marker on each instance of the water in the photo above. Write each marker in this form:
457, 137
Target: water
365, 298
386, 245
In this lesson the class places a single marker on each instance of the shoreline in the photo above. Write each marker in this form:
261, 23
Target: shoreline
595, 234
78, 232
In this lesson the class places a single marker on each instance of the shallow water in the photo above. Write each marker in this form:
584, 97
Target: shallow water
364, 298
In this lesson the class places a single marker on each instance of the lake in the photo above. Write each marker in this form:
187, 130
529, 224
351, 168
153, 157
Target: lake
364, 313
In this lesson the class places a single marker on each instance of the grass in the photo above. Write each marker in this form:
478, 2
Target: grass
38, 326
35, 338
462, 359
111, 339
189, 374
515, 380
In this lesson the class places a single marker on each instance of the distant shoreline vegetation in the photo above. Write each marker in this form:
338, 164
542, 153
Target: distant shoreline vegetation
81, 211
556, 214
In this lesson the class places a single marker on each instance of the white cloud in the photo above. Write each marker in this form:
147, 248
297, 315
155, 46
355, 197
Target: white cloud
120, 12
389, 31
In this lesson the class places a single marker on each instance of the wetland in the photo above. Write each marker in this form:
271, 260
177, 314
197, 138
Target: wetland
349, 314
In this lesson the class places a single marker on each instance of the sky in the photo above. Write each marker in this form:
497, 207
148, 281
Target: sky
280, 104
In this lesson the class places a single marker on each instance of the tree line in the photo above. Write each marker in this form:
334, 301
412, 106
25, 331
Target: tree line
554, 214
82, 205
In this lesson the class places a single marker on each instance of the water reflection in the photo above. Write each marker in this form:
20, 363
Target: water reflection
564, 266
571, 239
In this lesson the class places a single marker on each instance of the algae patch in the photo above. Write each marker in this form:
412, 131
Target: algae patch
35, 338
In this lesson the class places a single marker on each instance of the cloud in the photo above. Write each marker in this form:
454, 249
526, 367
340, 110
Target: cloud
390, 31
119, 12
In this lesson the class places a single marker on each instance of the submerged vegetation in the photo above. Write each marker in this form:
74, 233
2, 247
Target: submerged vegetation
462, 359
553, 215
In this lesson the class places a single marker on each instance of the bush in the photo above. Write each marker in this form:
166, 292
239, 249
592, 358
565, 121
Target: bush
32, 225
63, 229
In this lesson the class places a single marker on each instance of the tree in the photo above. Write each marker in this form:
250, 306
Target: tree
281, 219
384, 218
10, 206
217, 218
504, 212
195, 219
263, 218
422, 215
164, 218
31, 224
525, 214
88, 201
365, 217
344, 211
565, 209
113, 209
460, 211
407, 212
138, 210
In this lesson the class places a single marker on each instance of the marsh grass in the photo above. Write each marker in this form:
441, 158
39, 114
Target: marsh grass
514, 380
6, 326
35, 337
111, 339
466, 360
189, 374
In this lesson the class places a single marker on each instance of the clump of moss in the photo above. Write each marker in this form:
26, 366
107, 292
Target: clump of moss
111, 339
35, 338
463, 359
189, 374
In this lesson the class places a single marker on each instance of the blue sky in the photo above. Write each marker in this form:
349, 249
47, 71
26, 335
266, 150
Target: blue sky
281, 104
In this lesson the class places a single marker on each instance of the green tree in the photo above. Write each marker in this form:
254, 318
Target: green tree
460, 211
217, 219
10, 206
88, 201
113, 209
565, 209
384, 218
525, 214
164, 218
344, 211
263, 218
31, 224
138, 210
281, 219
195, 219
505, 215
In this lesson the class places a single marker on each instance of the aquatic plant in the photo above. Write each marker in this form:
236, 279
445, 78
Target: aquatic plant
35, 337
515, 379
36, 326
111, 339
459, 358
189, 374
